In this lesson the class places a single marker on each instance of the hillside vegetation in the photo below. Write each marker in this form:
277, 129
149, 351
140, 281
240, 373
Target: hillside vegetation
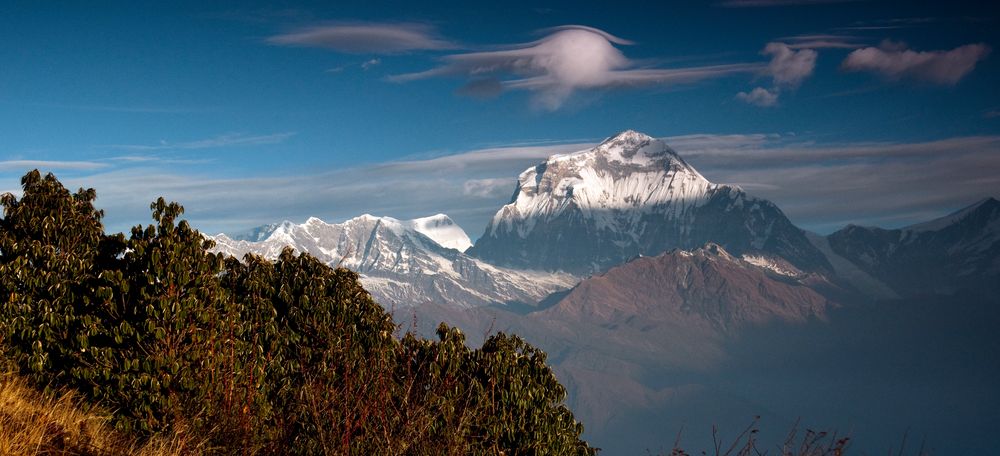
251, 357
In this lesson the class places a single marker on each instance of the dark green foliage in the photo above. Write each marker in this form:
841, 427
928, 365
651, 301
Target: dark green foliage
51, 244
261, 357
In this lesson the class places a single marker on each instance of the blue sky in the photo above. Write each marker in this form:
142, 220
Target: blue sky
247, 113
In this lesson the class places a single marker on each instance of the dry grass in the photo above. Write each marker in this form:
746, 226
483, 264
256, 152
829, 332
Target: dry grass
32, 423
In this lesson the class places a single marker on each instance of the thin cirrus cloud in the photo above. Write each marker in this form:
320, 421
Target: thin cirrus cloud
469, 187
568, 59
18, 165
824, 186
895, 61
367, 38
220, 141
821, 186
822, 41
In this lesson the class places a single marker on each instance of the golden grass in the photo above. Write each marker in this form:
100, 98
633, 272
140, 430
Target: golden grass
32, 423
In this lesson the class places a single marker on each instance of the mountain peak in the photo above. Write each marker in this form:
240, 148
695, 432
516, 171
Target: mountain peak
634, 147
630, 195
629, 136
988, 204
443, 230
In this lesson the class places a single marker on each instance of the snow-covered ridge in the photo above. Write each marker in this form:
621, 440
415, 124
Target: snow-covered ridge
770, 263
405, 262
950, 219
775, 265
442, 230
439, 228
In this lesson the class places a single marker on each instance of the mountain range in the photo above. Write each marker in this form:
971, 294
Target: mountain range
643, 280
404, 263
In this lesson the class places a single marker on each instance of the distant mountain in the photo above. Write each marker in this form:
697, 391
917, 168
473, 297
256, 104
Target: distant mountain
631, 195
405, 262
942, 256
707, 285
630, 340
257, 234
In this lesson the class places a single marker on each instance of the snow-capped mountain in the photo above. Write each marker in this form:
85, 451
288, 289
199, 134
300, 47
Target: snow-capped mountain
631, 195
405, 262
954, 252
257, 234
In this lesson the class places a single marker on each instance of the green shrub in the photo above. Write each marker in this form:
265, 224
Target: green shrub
259, 357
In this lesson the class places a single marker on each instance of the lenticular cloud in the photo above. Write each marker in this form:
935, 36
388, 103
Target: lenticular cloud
568, 59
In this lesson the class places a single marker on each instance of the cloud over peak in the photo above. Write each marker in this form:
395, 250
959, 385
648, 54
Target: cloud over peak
568, 59
895, 61
367, 38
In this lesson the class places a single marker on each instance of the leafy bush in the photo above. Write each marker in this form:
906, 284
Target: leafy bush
259, 357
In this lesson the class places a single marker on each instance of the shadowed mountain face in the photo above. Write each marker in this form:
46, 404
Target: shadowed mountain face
955, 252
631, 339
706, 287
632, 195
691, 339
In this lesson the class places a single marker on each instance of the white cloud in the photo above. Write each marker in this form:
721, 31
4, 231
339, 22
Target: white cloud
370, 63
896, 61
367, 38
759, 96
568, 59
789, 67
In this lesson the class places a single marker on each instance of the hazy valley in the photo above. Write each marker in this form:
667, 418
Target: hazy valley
668, 302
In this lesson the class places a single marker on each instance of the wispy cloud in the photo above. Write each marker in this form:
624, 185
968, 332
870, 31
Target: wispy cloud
568, 59
823, 41
367, 38
26, 165
134, 109
896, 61
227, 140
468, 186
825, 186
892, 23
821, 186
769, 3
